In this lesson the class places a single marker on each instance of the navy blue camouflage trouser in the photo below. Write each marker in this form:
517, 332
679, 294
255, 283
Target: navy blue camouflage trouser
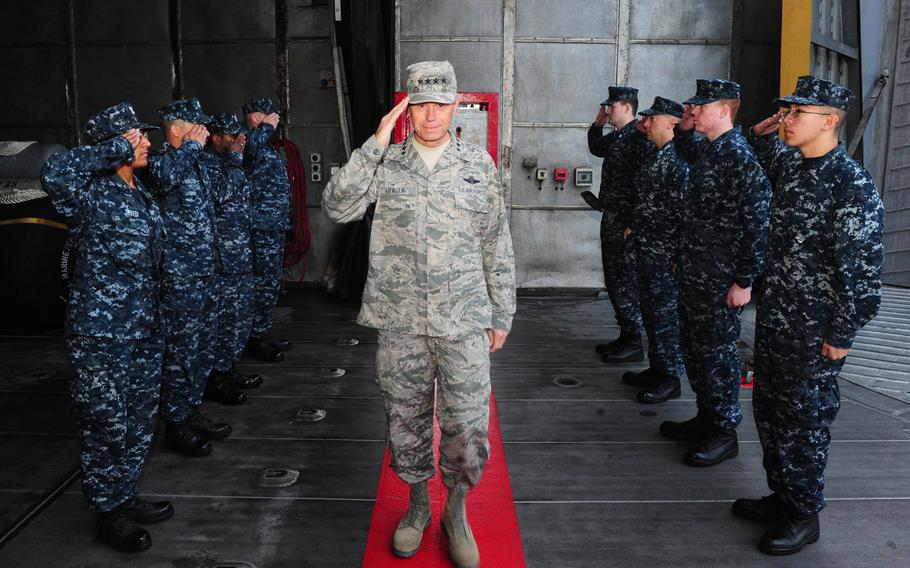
795, 400
620, 277
235, 316
709, 332
191, 325
268, 258
658, 292
114, 387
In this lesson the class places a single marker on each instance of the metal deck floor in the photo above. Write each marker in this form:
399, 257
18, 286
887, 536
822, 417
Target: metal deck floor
594, 483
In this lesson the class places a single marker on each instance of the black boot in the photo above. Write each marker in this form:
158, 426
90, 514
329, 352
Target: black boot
218, 390
691, 430
717, 445
630, 351
148, 512
790, 535
639, 379
116, 529
206, 427
661, 390
764, 510
280, 344
183, 439
257, 348
604, 348
238, 380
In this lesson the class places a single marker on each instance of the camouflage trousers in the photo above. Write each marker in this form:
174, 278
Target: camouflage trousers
235, 316
190, 327
268, 266
658, 290
416, 373
709, 332
620, 277
115, 388
795, 400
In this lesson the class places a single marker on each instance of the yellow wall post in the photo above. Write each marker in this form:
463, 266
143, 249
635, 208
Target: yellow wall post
795, 42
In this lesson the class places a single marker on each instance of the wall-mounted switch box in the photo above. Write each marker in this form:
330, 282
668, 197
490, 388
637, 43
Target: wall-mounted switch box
584, 177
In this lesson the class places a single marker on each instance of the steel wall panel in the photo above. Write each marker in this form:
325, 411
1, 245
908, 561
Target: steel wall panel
556, 248
310, 102
681, 19
478, 65
574, 18
670, 70
557, 82
227, 19
464, 18
212, 73
31, 97
32, 21
118, 21
325, 140
304, 21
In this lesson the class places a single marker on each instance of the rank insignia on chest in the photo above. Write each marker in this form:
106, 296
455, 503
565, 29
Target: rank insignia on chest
471, 180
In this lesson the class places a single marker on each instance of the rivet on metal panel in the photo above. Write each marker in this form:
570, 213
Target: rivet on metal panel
567, 382
278, 477
309, 415
232, 564
347, 341
333, 372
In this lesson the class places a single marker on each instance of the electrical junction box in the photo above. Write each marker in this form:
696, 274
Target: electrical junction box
560, 175
584, 177
541, 174
315, 157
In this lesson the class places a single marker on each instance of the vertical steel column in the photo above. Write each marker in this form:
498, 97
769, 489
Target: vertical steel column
282, 62
71, 84
508, 96
736, 41
175, 29
623, 35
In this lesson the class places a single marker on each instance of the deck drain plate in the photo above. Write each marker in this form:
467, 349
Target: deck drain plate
347, 341
332, 372
309, 414
567, 382
278, 477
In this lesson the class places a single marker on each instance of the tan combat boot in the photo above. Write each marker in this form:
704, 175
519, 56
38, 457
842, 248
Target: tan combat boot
409, 533
462, 546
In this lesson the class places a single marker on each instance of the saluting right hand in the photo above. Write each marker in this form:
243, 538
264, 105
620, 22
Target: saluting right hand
387, 124
197, 133
133, 136
272, 119
767, 126
688, 121
601, 117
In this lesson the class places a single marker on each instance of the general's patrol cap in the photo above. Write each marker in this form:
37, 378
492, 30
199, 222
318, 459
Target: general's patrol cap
710, 90
663, 106
620, 93
260, 104
189, 110
225, 123
811, 90
113, 121
432, 82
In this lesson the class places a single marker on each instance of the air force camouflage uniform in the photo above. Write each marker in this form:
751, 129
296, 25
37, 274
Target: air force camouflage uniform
624, 152
822, 284
190, 309
656, 216
441, 273
271, 215
231, 195
723, 240
113, 321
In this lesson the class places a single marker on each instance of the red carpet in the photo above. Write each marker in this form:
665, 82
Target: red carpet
491, 511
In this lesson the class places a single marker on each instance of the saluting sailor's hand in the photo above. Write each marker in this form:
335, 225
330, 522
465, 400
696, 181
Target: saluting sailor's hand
197, 133
387, 124
133, 136
601, 117
688, 120
497, 339
239, 143
767, 126
833, 353
272, 119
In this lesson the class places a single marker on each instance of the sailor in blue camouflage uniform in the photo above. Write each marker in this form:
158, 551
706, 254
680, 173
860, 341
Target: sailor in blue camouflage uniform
822, 284
271, 213
653, 237
722, 249
184, 191
624, 150
224, 158
113, 323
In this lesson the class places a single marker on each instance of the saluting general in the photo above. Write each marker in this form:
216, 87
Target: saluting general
441, 290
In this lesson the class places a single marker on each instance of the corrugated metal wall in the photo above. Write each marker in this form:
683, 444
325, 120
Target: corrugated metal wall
557, 59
